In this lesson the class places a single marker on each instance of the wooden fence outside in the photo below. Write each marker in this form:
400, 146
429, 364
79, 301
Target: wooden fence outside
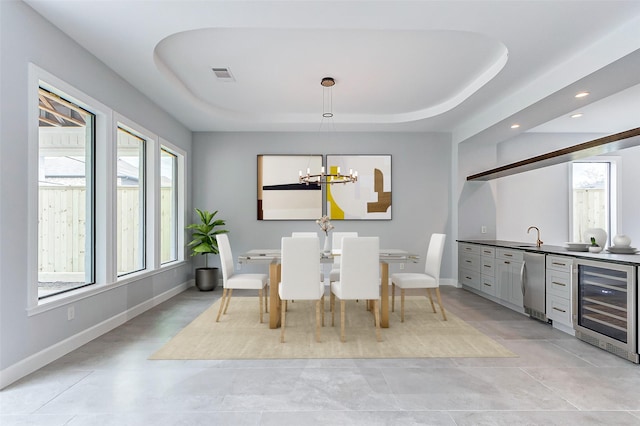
62, 236
591, 205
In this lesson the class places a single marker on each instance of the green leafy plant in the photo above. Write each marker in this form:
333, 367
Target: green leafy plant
593, 242
204, 234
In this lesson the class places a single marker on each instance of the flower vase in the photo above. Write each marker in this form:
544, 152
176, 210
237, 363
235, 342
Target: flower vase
326, 248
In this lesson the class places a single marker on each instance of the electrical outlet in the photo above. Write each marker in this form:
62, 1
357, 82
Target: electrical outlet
71, 313
402, 266
483, 229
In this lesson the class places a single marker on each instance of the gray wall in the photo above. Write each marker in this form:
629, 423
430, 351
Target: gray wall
225, 179
26, 37
476, 200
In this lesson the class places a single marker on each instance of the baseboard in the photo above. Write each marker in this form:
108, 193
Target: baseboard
46, 356
450, 281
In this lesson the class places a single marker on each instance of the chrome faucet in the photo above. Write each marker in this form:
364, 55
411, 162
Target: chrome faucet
538, 242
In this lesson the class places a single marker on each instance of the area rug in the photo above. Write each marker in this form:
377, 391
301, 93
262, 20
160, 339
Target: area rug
240, 335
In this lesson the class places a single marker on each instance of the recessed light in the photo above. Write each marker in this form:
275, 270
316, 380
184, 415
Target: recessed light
582, 94
577, 115
515, 126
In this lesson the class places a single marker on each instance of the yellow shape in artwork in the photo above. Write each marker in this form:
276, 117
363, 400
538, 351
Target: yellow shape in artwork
335, 211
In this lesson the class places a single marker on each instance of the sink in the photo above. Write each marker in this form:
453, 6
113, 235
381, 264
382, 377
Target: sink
527, 245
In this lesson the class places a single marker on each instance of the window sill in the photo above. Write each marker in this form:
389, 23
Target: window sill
73, 296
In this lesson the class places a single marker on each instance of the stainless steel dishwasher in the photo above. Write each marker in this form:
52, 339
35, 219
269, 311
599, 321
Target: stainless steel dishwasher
533, 285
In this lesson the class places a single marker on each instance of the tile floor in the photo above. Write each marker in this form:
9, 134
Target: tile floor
556, 380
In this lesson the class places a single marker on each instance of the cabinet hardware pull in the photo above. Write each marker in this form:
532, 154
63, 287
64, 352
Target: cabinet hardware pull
468, 261
488, 285
558, 264
561, 310
487, 266
468, 278
507, 263
487, 251
508, 255
467, 248
557, 283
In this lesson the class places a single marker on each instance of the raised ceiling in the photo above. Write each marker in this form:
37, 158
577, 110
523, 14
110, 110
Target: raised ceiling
463, 67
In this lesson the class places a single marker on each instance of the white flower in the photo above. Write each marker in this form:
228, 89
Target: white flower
325, 224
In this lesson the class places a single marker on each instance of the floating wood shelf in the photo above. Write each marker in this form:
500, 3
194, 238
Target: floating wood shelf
599, 146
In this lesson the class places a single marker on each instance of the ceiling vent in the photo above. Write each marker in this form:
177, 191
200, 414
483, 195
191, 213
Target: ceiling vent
223, 74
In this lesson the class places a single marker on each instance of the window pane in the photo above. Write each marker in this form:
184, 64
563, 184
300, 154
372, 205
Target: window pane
130, 203
168, 206
65, 195
590, 198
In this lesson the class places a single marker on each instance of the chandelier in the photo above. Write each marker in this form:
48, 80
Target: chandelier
328, 178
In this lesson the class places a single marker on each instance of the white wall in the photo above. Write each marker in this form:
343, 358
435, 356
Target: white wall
541, 197
28, 341
225, 180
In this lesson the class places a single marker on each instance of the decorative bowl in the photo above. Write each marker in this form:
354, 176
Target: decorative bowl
577, 246
621, 241
595, 249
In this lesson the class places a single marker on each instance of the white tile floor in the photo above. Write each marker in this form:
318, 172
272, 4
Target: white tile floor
556, 380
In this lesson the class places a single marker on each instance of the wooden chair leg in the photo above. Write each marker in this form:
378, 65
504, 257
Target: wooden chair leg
222, 301
282, 318
393, 297
377, 316
266, 299
402, 305
260, 304
229, 293
332, 305
342, 316
318, 321
322, 306
431, 300
444, 316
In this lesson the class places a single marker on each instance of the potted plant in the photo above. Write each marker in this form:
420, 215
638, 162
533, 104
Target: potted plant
204, 242
594, 247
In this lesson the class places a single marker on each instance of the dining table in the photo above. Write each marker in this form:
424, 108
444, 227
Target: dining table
273, 258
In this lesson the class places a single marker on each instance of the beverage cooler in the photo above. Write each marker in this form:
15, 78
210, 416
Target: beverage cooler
605, 305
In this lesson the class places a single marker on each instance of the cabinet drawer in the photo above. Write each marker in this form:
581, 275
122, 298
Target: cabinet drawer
487, 285
509, 254
487, 251
469, 261
559, 283
470, 279
488, 266
470, 249
559, 309
559, 263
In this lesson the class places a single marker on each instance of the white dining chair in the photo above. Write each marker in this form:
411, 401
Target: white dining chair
429, 279
304, 234
299, 277
336, 246
359, 278
231, 280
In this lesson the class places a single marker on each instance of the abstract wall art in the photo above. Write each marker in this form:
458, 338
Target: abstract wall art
280, 195
367, 199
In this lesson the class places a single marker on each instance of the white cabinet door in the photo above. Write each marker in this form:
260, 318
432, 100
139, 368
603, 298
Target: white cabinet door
509, 281
503, 279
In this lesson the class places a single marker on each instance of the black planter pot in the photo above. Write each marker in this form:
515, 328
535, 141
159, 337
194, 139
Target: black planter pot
207, 278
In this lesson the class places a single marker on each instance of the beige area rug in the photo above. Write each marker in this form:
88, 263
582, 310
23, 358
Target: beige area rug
239, 335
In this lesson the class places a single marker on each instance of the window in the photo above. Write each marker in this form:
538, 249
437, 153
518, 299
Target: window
66, 187
130, 201
593, 197
168, 206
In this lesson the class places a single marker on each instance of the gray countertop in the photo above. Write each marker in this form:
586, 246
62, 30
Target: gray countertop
633, 259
